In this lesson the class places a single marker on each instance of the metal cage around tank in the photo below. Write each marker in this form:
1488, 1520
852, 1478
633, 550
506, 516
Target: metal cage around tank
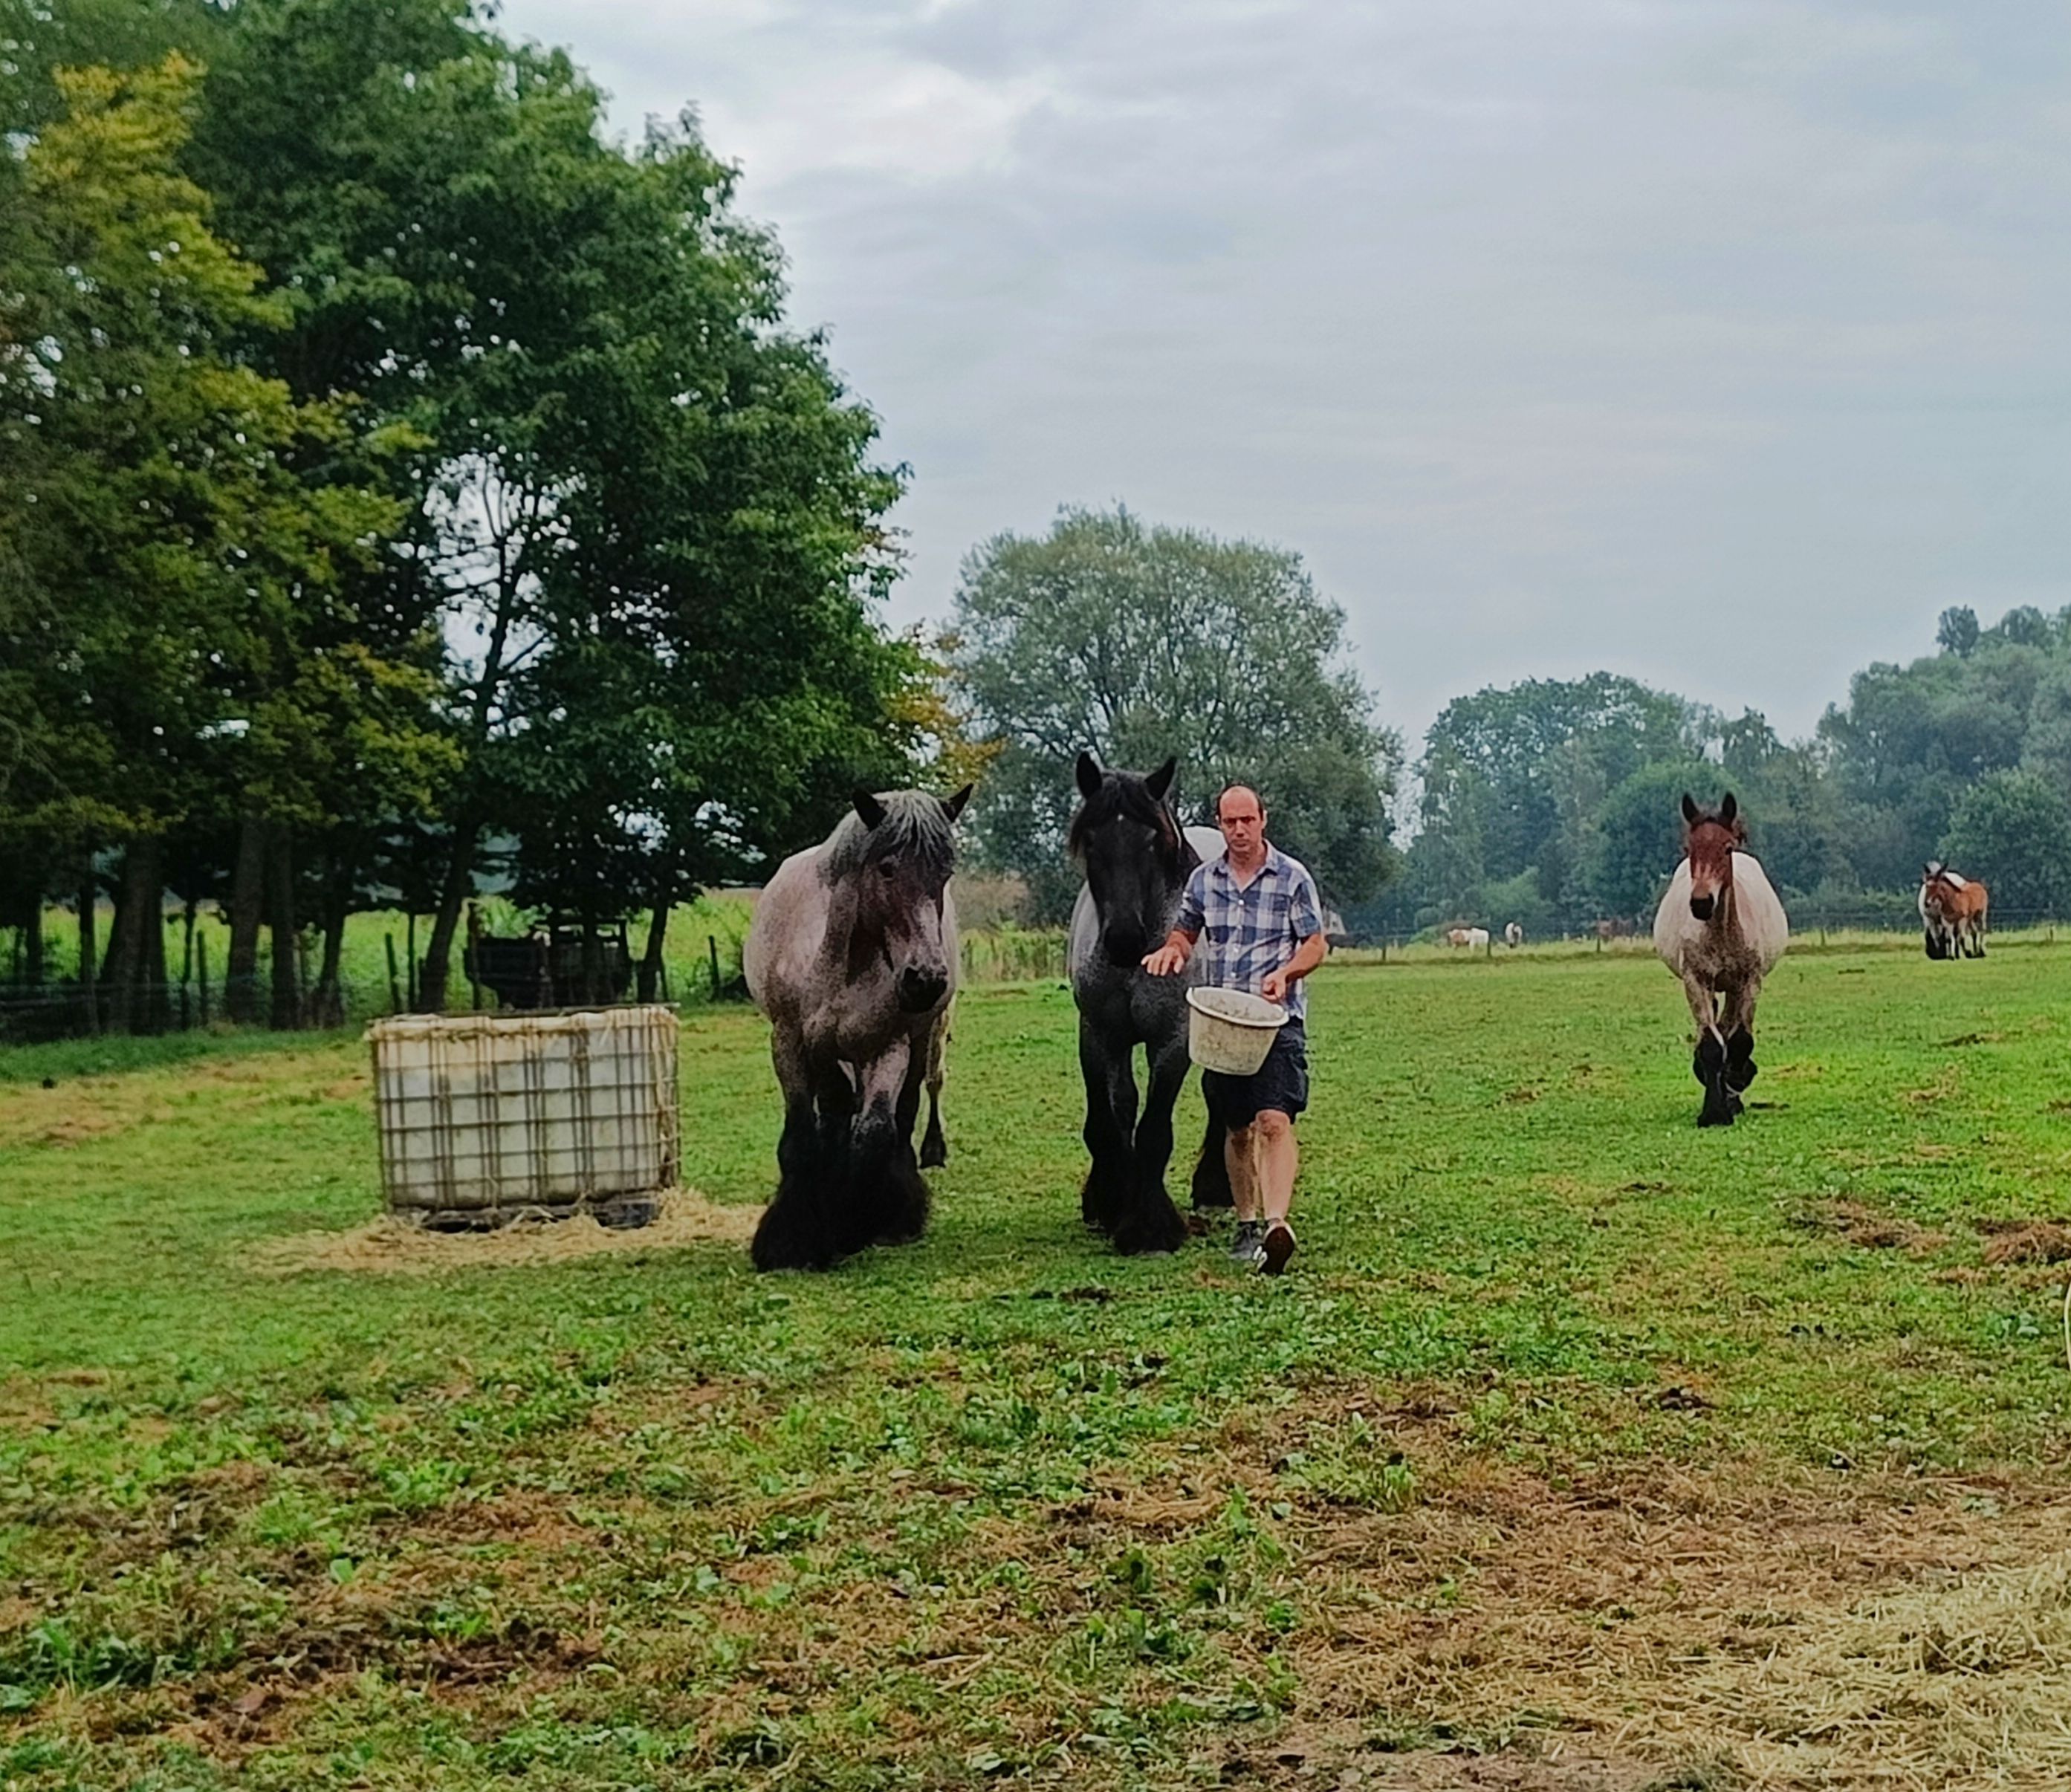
483, 1118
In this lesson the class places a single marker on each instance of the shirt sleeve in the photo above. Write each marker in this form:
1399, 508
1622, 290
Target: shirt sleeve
1193, 903
1305, 910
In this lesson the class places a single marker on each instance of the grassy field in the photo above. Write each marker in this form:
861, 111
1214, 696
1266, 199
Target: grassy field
1580, 1450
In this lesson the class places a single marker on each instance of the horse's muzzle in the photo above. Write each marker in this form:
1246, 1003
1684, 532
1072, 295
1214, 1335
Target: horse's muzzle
1701, 906
1125, 946
920, 990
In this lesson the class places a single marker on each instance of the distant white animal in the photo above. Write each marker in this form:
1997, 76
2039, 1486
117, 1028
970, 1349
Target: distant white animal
1513, 935
1470, 937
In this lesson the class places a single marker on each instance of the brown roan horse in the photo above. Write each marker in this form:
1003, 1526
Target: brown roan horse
1721, 928
853, 956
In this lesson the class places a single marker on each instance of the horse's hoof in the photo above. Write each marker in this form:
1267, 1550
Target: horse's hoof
791, 1254
933, 1156
1151, 1234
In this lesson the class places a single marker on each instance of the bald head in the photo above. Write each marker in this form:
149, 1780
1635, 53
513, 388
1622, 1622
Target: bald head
1241, 816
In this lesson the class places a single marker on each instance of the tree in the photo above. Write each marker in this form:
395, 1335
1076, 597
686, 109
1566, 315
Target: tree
1137, 642
648, 513
1957, 632
2013, 830
1640, 835
167, 546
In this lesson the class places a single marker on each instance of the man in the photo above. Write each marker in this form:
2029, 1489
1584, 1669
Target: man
1265, 933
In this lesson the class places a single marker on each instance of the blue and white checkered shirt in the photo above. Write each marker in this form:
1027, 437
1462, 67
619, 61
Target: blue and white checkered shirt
1246, 932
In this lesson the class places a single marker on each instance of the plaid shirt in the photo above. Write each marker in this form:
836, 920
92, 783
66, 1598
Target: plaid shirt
1252, 930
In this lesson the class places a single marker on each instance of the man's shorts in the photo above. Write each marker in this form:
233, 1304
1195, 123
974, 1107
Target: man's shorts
1281, 1084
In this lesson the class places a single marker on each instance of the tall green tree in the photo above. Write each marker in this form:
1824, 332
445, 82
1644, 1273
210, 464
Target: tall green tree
645, 513
166, 541
2013, 830
1137, 642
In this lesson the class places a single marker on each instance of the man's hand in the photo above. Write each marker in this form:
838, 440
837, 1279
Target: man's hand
1168, 961
1274, 986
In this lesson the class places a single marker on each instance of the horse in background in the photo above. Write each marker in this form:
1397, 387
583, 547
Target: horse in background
1513, 934
1137, 861
852, 954
1721, 928
1953, 909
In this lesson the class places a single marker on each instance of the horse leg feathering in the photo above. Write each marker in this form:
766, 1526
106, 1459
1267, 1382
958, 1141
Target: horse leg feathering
1150, 1223
797, 1230
1711, 1067
1110, 1081
1211, 1183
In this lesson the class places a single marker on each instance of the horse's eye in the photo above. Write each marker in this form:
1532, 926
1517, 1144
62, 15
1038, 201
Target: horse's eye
886, 868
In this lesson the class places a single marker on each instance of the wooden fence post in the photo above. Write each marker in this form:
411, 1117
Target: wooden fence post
711, 950
201, 968
395, 986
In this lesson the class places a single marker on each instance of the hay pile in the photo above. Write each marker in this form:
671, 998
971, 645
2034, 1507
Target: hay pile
1964, 1685
391, 1245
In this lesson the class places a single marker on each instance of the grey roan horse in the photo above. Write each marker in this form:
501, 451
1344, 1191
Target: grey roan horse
1137, 862
853, 957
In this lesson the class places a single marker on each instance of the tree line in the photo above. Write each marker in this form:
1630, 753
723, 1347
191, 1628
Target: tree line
1554, 803
403, 477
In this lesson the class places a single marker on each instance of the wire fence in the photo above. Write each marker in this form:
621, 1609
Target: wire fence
60, 1009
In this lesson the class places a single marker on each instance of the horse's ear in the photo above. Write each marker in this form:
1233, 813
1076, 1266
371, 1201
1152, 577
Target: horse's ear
953, 806
1689, 809
1729, 810
1161, 781
1088, 771
868, 808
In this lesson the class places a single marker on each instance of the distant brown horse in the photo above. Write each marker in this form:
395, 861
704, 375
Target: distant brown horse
1721, 928
1952, 913
853, 956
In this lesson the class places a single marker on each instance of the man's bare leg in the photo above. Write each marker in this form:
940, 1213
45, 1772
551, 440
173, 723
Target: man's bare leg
1241, 1153
1278, 1159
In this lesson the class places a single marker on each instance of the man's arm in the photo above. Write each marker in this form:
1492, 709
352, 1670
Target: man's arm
1171, 958
1309, 954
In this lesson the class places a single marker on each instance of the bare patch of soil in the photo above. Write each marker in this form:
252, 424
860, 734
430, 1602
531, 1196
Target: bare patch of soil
2028, 1241
1868, 1228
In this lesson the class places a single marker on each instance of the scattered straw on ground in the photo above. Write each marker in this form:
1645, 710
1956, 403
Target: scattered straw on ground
1968, 1684
390, 1245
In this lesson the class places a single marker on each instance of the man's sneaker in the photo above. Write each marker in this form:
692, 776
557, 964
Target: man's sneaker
1249, 1241
1278, 1246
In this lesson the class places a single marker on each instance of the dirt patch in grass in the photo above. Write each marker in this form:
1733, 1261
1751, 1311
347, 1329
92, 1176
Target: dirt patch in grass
1869, 1228
393, 1246
2027, 1241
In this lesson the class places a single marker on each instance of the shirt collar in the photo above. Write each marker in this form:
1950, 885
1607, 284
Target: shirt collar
1274, 859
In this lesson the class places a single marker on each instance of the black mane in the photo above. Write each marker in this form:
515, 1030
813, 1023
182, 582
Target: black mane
1124, 796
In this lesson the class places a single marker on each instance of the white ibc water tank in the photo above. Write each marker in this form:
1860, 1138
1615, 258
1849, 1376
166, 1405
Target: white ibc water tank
483, 1116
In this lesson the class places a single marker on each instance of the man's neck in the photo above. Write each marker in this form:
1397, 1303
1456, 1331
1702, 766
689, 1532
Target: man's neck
1244, 869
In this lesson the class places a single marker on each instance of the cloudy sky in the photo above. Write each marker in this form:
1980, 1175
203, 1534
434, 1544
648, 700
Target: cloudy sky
1723, 344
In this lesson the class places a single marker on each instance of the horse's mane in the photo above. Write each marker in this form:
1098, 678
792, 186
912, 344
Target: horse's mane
1124, 796
915, 825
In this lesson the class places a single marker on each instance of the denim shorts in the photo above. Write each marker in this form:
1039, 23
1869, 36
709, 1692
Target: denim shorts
1280, 1084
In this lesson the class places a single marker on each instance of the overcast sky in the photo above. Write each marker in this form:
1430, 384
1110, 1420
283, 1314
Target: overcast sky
1719, 344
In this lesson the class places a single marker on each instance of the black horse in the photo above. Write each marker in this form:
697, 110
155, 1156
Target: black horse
1137, 862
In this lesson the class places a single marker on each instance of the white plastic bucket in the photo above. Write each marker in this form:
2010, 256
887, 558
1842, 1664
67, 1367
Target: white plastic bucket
1230, 1032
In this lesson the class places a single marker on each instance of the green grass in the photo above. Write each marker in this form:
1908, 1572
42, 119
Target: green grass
999, 1504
